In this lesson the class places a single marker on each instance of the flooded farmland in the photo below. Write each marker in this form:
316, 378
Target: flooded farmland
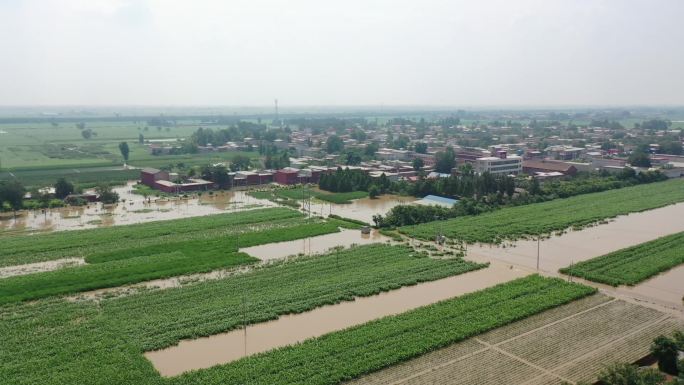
314, 245
575, 246
360, 209
38, 267
135, 209
226, 347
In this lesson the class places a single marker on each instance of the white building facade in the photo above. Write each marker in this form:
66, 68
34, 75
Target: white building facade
499, 165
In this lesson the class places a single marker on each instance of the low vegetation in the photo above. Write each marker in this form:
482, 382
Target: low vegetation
548, 217
634, 264
281, 195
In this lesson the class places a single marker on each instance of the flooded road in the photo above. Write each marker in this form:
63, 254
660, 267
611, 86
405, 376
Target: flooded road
574, 246
314, 245
360, 209
135, 209
226, 347
39, 267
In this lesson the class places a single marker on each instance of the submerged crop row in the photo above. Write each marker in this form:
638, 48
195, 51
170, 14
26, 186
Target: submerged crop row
58, 342
557, 215
347, 354
80, 243
634, 264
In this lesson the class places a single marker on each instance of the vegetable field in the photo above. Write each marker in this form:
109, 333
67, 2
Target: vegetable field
55, 342
548, 217
634, 264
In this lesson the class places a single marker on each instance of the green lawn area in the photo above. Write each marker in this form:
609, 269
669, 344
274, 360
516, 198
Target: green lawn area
634, 264
557, 215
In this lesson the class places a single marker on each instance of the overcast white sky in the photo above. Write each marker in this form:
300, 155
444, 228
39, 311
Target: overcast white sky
341, 52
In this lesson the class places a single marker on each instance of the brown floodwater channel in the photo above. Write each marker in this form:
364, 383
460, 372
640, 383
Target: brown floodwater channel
289, 329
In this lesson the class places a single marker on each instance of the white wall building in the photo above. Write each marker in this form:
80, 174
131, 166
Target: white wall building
499, 165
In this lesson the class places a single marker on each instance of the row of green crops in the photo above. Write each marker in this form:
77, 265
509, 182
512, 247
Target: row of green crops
545, 218
57, 342
113, 274
350, 353
634, 264
208, 246
80, 243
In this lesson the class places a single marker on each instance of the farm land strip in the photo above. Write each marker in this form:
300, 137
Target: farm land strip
552, 216
632, 265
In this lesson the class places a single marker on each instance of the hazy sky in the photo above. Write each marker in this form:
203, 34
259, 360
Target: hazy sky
341, 52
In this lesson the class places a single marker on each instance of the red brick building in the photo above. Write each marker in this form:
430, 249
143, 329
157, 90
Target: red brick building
287, 176
149, 176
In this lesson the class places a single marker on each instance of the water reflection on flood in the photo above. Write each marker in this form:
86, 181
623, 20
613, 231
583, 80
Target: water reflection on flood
360, 209
314, 245
574, 246
135, 209
226, 347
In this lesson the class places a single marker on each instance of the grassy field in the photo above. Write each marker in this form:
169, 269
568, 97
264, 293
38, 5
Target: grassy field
634, 264
37, 154
82, 243
557, 215
56, 342
347, 354
297, 193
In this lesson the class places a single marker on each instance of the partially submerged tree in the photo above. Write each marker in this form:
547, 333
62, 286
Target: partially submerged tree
125, 151
63, 188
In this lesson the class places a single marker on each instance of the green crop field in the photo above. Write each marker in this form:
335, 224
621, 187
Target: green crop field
634, 264
557, 215
52, 341
82, 243
347, 354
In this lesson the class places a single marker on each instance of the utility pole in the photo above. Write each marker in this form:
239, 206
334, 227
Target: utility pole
538, 252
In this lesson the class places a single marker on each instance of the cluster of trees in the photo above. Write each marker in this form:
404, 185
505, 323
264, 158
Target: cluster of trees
654, 125
334, 144
345, 180
468, 185
445, 161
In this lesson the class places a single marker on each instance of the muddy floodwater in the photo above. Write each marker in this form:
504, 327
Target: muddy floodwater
226, 347
314, 245
360, 209
135, 209
39, 267
574, 246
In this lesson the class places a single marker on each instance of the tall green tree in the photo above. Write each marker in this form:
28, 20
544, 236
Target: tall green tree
125, 151
665, 350
418, 164
63, 188
334, 144
12, 192
446, 160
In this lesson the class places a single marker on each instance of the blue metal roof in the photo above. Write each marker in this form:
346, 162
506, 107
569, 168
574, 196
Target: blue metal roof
442, 200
